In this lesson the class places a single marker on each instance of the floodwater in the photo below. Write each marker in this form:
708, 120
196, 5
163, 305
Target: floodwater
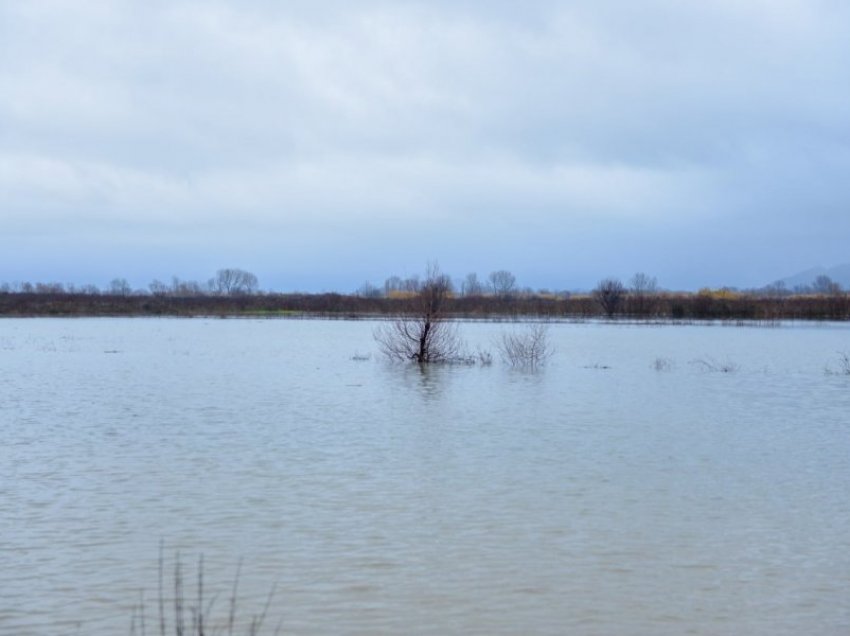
598, 495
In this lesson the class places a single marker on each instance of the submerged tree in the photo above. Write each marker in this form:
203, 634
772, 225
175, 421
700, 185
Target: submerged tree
423, 333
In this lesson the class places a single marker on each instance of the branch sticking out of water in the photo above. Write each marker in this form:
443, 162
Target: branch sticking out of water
713, 366
203, 620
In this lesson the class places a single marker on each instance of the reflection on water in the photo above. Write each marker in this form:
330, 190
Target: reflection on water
426, 381
596, 496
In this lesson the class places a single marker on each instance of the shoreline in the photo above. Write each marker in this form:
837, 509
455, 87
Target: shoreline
662, 309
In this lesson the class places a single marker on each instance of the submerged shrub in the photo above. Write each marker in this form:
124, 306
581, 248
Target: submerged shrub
714, 366
529, 349
485, 358
662, 364
842, 366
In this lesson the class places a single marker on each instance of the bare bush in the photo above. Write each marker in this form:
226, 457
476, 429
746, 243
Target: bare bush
662, 364
480, 358
529, 349
843, 365
485, 358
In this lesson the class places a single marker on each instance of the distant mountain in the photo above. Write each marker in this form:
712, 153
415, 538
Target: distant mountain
839, 274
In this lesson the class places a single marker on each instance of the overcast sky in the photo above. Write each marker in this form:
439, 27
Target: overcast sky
321, 144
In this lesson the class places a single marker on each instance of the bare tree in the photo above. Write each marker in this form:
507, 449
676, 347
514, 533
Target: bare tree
411, 284
158, 288
392, 285
120, 287
471, 286
49, 288
423, 333
643, 284
368, 290
233, 282
777, 289
530, 349
502, 282
609, 294
188, 288
825, 286
643, 291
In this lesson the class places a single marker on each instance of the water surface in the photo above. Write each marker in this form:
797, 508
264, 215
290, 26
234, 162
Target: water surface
596, 496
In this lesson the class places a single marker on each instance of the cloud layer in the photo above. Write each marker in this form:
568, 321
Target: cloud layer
325, 143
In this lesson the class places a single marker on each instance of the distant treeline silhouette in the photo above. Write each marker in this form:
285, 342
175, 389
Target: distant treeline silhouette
663, 306
235, 292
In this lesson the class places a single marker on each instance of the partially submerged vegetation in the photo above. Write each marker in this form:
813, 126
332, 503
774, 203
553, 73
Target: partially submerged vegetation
842, 365
198, 615
716, 366
528, 349
422, 331
662, 364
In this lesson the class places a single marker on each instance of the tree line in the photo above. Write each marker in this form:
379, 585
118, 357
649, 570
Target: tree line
499, 283
226, 282
234, 291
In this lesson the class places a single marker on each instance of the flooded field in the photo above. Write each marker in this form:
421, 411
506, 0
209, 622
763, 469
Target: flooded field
647, 480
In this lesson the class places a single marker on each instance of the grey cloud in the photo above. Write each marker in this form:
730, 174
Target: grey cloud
655, 122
